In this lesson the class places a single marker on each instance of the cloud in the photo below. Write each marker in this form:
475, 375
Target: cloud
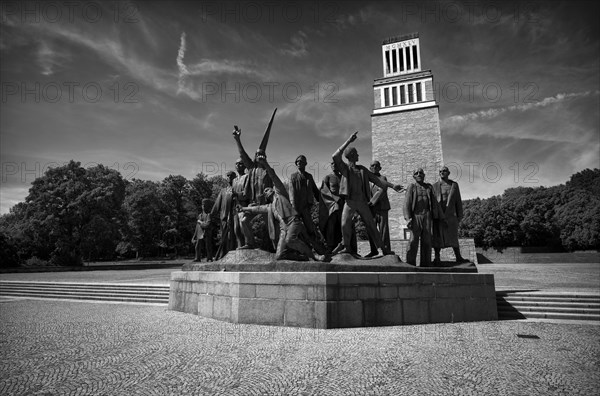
327, 120
211, 66
183, 70
489, 114
208, 67
46, 59
11, 196
110, 50
298, 48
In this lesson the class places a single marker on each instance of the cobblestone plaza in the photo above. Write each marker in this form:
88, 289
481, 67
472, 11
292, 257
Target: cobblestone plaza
52, 347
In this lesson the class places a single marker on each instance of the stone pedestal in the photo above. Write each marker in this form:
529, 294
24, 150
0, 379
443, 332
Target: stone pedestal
334, 299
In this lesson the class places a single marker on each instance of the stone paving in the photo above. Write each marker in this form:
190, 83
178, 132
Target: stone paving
549, 277
77, 348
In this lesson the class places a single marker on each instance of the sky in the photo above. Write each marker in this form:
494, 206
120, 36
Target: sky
153, 89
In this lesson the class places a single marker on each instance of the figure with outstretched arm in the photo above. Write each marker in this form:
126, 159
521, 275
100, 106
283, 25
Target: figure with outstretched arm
286, 229
354, 187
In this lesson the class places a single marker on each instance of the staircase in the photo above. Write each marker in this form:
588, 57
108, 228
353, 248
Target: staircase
526, 305
511, 304
135, 293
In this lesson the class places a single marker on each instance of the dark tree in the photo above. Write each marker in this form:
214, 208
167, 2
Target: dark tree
147, 219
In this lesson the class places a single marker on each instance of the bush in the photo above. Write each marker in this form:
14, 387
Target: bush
36, 262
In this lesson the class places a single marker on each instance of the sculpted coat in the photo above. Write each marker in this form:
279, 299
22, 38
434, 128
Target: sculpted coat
411, 200
447, 235
223, 212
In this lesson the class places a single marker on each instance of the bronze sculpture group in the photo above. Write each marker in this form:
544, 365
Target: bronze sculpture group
432, 212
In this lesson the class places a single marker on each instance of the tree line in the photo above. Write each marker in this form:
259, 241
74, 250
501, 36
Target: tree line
567, 215
74, 214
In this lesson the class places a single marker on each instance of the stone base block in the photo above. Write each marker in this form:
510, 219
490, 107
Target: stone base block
335, 299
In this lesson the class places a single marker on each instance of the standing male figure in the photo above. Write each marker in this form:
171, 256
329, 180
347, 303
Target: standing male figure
420, 208
330, 209
380, 207
285, 225
203, 234
354, 187
447, 194
223, 211
303, 192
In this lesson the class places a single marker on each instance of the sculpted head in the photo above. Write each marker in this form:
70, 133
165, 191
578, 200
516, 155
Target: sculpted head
333, 167
301, 162
419, 175
269, 194
444, 172
239, 166
351, 154
230, 175
260, 155
375, 167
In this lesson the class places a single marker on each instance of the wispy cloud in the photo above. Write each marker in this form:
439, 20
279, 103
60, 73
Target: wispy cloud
209, 67
212, 66
183, 70
107, 46
298, 48
489, 114
45, 59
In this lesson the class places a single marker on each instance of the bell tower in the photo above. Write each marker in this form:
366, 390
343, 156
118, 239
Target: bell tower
405, 122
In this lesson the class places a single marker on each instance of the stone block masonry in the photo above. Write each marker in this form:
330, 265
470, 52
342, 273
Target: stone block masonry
334, 299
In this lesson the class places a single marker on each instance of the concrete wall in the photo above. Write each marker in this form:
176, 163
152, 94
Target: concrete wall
332, 300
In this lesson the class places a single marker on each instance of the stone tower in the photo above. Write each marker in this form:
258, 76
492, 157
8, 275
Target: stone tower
405, 122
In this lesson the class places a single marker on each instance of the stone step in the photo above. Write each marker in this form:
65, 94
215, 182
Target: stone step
76, 296
504, 315
114, 290
87, 291
548, 300
86, 286
108, 293
548, 297
572, 306
549, 304
552, 309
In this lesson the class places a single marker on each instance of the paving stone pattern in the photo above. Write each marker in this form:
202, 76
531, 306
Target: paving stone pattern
73, 348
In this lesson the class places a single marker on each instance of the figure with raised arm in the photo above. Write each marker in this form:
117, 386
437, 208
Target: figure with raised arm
331, 205
354, 187
256, 181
